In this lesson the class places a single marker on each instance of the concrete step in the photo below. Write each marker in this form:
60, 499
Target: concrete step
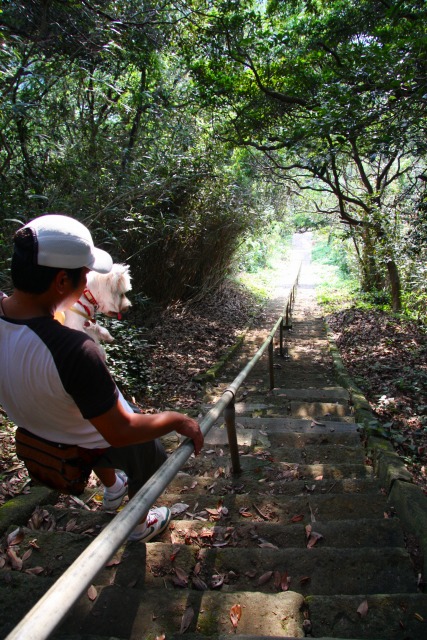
389, 616
325, 394
285, 424
280, 508
152, 615
336, 534
285, 482
263, 616
273, 407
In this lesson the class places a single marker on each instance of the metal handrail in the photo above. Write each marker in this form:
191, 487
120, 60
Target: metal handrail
48, 612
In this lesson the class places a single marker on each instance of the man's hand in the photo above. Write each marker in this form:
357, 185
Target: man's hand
191, 429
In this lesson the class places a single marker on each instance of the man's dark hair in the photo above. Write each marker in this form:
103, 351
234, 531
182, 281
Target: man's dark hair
29, 276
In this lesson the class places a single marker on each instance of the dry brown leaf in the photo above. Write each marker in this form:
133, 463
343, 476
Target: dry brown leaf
362, 609
71, 525
16, 537
15, 561
199, 584
113, 562
162, 637
176, 549
235, 614
34, 570
264, 578
285, 581
268, 545
217, 581
33, 543
27, 554
181, 578
313, 538
92, 593
186, 619
297, 518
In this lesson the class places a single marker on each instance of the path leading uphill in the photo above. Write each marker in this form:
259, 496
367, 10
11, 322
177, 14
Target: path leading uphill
296, 546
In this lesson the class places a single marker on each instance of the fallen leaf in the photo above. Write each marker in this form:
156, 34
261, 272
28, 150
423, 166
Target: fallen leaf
92, 593
15, 561
34, 570
285, 581
27, 554
297, 518
362, 609
178, 508
235, 614
217, 581
186, 619
268, 545
418, 617
264, 578
16, 537
181, 577
71, 525
175, 552
199, 584
313, 538
113, 562
33, 543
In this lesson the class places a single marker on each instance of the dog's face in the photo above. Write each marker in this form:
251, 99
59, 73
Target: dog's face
110, 290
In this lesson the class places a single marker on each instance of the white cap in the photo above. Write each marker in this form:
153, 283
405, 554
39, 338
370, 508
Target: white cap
66, 243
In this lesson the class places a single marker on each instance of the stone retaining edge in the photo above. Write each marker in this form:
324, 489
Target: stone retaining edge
407, 498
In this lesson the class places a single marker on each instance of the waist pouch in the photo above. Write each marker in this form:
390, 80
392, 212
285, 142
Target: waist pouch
64, 467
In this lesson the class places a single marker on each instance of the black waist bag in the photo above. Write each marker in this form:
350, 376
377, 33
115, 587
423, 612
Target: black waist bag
64, 467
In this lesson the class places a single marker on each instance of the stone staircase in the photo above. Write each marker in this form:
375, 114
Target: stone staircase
302, 543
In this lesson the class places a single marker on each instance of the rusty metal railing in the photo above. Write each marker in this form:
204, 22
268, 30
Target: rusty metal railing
48, 612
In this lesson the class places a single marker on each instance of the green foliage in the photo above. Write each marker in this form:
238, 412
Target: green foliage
125, 357
259, 251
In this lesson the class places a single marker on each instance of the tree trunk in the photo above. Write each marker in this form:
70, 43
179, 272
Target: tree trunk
395, 286
371, 276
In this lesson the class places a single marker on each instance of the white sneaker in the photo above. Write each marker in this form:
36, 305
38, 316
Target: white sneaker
157, 520
112, 500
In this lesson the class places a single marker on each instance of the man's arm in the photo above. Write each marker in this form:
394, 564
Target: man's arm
120, 428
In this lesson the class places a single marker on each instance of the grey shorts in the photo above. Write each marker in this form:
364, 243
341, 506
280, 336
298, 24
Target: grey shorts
138, 461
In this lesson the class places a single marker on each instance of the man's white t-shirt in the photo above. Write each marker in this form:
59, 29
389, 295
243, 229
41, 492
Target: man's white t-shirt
53, 380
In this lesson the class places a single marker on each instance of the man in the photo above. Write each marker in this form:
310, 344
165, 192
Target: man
54, 382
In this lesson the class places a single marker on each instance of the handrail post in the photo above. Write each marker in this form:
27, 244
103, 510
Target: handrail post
281, 338
230, 423
270, 362
287, 315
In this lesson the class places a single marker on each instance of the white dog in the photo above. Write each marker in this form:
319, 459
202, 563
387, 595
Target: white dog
104, 293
